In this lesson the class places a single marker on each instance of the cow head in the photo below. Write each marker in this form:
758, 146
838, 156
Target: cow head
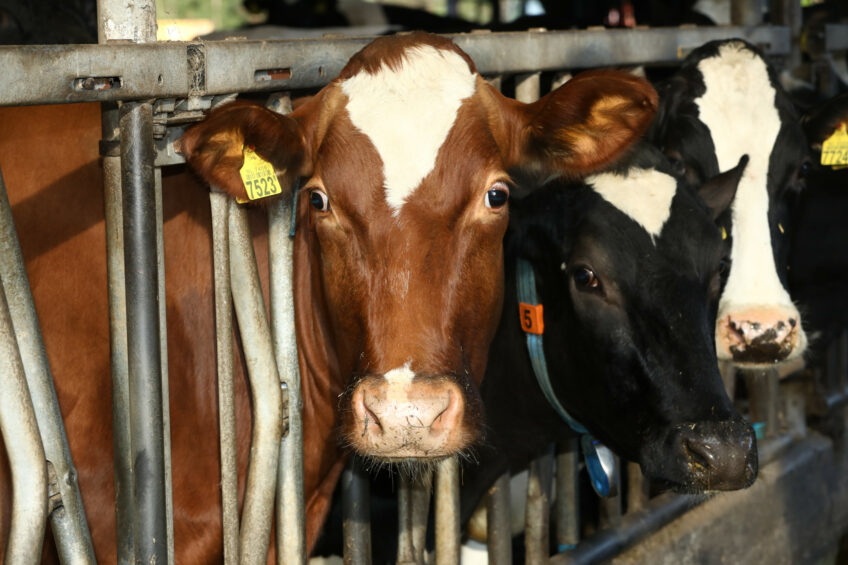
723, 104
403, 208
628, 271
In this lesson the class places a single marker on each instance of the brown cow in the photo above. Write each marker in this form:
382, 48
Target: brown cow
398, 267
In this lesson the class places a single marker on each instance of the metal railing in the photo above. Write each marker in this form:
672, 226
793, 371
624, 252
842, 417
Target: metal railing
162, 86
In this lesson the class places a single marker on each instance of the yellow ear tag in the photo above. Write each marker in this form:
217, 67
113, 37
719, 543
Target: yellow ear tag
258, 176
780, 227
835, 148
723, 233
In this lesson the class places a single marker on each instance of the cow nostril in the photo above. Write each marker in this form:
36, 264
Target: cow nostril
699, 453
450, 416
792, 322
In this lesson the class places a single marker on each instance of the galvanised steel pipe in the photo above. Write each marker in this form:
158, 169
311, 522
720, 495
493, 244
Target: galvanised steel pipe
220, 204
356, 514
290, 513
498, 523
163, 356
23, 446
141, 273
447, 512
567, 495
413, 508
114, 215
258, 509
536, 532
70, 528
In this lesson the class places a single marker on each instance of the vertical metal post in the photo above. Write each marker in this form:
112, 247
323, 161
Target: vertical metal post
26, 454
611, 507
788, 13
220, 204
746, 12
163, 356
121, 21
536, 535
772, 399
70, 528
637, 488
728, 377
356, 514
255, 533
113, 199
291, 515
447, 512
498, 523
141, 265
413, 508
527, 87
567, 495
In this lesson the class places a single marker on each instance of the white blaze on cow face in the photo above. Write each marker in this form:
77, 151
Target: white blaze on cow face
408, 112
643, 194
738, 107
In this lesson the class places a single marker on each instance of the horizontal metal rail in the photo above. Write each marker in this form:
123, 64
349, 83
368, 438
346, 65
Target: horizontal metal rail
55, 74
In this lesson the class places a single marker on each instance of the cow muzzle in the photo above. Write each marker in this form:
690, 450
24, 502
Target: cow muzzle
759, 336
705, 456
403, 418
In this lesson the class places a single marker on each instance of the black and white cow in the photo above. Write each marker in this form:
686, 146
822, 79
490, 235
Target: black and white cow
627, 269
726, 102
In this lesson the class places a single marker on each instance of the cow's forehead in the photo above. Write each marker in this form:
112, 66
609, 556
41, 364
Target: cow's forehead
645, 195
407, 111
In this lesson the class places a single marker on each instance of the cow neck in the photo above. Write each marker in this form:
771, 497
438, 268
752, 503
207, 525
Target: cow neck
599, 458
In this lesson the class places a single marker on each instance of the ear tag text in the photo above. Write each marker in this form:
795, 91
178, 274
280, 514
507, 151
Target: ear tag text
835, 148
258, 176
532, 318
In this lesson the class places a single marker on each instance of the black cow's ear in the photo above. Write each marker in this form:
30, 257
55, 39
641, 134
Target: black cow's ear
820, 122
719, 191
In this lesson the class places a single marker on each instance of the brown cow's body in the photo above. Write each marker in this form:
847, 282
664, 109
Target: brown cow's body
433, 344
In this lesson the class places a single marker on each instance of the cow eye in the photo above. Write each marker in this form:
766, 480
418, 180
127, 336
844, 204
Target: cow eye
585, 278
319, 200
497, 195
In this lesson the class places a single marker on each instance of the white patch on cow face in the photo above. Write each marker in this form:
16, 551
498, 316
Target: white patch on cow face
407, 113
739, 109
643, 194
401, 375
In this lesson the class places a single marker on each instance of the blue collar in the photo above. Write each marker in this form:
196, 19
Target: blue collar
600, 461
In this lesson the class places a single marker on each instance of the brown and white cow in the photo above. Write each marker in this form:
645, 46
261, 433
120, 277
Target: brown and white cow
398, 262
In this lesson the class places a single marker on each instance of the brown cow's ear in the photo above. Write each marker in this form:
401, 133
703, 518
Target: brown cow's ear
588, 122
215, 147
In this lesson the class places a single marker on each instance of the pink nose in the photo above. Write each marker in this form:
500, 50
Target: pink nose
757, 335
407, 419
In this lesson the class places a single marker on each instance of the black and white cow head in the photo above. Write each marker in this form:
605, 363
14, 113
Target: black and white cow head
724, 103
628, 270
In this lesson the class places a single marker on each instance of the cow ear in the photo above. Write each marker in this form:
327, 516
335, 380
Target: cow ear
719, 191
820, 123
588, 122
215, 147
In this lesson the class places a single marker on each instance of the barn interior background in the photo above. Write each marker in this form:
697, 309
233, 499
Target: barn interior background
796, 512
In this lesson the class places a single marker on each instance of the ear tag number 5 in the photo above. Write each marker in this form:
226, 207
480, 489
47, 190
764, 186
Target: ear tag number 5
532, 320
258, 176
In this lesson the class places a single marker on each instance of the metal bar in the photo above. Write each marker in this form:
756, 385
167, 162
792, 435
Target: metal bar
772, 390
836, 37
637, 488
356, 512
24, 449
728, 377
536, 533
611, 507
127, 20
608, 543
220, 204
527, 87
258, 509
159, 70
413, 508
143, 340
421, 495
406, 547
567, 495
113, 199
498, 523
755, 383
69, 525
447, 512
291, 514
163, 356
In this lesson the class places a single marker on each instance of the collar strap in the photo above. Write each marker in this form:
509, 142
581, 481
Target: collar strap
600, 461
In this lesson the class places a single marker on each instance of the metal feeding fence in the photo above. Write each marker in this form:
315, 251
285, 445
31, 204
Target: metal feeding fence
149, 91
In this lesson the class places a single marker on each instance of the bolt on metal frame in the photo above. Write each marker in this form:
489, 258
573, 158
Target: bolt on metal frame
149, 70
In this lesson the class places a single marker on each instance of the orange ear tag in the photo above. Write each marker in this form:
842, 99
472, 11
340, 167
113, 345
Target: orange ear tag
258, 176
531, 318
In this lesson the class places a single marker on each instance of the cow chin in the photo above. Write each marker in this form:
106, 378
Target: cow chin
703, 456
410, 419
